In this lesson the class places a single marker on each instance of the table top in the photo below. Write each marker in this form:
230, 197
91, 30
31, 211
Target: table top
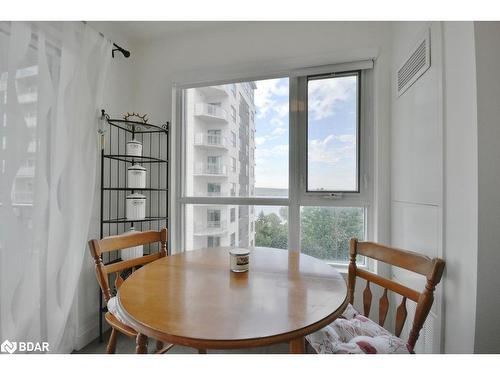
193, 298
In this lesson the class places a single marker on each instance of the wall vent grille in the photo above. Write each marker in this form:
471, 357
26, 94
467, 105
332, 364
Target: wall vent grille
415, 65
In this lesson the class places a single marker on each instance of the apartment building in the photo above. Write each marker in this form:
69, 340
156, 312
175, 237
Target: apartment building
22, 192
219, 123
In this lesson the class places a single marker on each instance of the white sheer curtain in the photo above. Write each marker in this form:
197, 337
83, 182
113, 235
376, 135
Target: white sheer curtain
51, 87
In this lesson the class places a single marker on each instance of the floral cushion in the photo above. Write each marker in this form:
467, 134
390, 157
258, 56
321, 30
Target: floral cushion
354, 333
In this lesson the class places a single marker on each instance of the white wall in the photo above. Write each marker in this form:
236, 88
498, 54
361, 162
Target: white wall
416, 162
445, 175
248, 48
460, 187
487, 35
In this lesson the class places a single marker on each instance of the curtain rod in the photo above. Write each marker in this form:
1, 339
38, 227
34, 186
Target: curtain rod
125, 52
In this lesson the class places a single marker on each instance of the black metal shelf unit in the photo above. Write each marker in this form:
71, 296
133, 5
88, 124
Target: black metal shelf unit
115, 134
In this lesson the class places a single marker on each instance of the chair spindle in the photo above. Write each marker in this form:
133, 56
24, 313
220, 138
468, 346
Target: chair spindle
401, 314
367, 299
383, 307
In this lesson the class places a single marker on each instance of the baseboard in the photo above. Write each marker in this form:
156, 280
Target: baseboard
89, 335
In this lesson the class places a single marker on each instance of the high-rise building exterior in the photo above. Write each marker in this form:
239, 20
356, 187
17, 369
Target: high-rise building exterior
219, 125
22, 190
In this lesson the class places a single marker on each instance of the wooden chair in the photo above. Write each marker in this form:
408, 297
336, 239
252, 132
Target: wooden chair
113, 243
432, 269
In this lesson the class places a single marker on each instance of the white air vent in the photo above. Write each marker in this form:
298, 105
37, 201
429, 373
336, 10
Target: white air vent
416, 64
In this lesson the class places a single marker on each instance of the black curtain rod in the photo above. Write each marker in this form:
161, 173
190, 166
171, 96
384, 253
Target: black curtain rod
120, 49
117, 47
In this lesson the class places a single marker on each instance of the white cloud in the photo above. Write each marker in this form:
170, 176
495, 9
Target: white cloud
323, 150
266, 98
274, 134
278, 131
324, 93
347, 138
260, 140
263, 153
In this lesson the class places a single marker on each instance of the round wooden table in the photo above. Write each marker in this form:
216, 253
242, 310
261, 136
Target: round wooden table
194, 299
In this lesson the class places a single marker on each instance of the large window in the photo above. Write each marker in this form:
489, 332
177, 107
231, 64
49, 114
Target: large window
291, 171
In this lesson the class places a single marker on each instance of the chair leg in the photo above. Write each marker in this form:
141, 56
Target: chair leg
110, 349
202, 351
159, 345
141, 344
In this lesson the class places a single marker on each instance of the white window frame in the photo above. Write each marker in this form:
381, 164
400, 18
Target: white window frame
297, 156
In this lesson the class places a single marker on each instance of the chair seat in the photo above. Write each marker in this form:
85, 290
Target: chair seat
353, 333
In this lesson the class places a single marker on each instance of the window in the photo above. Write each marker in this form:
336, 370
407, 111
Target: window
213, 189
233, 114
321, 143
214, 108
233, 89
213, 218
214, 165
233, 164
332, 133
213, 241
214, 137
233, 138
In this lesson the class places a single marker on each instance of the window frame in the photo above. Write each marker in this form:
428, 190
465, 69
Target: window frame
297, 157
359, 104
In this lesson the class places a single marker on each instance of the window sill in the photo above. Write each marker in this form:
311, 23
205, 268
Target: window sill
343, 268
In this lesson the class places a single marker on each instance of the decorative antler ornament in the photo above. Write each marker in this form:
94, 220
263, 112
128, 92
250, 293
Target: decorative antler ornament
136, 116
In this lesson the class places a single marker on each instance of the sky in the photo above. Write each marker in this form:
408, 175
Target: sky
331, 133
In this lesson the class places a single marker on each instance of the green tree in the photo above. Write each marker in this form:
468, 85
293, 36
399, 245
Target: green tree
326, 231
270, 231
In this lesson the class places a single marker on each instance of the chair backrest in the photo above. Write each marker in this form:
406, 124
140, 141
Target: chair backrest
123, 241
432, 269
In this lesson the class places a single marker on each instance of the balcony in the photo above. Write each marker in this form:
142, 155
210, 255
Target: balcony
210, 113
29, 97
22, 197
210, 228
210, 170
218, 91
210, 141
30, 121
222, 193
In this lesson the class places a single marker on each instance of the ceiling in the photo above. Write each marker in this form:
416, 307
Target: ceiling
138, 31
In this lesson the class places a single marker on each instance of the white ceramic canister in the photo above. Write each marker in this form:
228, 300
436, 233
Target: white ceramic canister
136, 206
239, 259
134, 251
136, 177
134, 148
